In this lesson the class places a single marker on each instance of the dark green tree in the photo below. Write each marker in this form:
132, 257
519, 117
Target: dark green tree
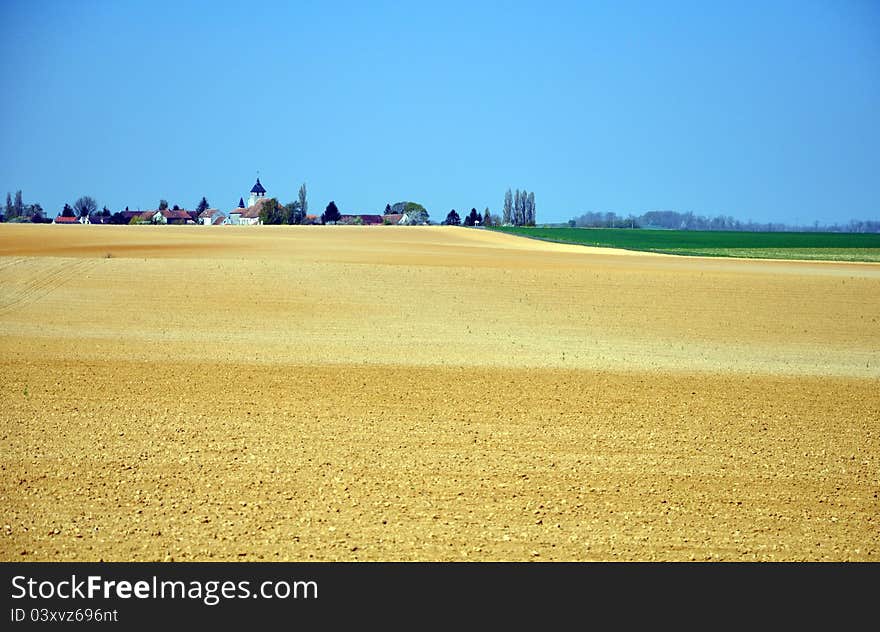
202, 206
331, 214
472, 218
488, 220
293, 213
271, 212
452, 219
67, 211
163, 205
387, 209
8, 206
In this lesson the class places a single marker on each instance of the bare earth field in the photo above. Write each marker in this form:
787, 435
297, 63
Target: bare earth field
428, 393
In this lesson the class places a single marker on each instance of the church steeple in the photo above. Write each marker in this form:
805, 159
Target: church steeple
257, 192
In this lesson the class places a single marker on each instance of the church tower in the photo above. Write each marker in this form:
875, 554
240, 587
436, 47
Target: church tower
256, 193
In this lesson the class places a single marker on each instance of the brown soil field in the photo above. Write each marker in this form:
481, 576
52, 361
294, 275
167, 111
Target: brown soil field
429, 393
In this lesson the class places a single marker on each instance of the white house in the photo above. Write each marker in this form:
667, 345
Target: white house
209, 217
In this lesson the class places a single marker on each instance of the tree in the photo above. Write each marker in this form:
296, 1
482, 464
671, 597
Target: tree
105, 212
18, 205
8, 206
331, 214
387, 209
530, 209
507, 210
293, 213
452, 219
488, 220
202, 206
175, 208
67, 211
472, 218
85, 206
163, 205
271, 212
36, 212
303, 202
416, 214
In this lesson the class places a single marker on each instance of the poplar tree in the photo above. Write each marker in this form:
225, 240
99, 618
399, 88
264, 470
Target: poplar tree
507, 210
531, 205
18, 205
303, 202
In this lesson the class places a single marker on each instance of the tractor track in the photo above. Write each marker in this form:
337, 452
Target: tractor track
41, 283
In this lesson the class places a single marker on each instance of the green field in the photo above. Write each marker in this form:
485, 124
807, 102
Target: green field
811, 246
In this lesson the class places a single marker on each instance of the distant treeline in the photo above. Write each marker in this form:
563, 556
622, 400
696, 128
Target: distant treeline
690, 221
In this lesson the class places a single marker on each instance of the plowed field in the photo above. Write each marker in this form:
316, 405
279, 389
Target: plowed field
428, 393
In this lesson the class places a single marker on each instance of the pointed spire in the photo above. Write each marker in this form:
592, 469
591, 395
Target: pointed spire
240, 202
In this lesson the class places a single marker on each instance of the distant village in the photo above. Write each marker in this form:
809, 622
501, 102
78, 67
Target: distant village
261, 209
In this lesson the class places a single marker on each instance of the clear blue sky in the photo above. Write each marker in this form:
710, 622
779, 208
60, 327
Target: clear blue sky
761, 110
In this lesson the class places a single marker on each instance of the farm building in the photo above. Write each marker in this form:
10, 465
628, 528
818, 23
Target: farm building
209, 217
366, 220
60, 219
167, 216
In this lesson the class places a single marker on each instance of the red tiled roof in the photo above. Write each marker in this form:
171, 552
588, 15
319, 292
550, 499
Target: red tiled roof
369, 220
66, 220
394, 218
181, 214
218, 220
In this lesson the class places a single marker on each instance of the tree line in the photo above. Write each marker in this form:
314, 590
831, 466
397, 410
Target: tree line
473, 218
17, 211
691, 221
518, 208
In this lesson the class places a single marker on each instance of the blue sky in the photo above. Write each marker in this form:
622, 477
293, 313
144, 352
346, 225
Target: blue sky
761, 110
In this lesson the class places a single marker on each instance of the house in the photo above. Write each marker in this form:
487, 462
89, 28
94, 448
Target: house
60, 219
209, 216
366, 220
393, 218
311, 219
167, 216
138, 217
251, 215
